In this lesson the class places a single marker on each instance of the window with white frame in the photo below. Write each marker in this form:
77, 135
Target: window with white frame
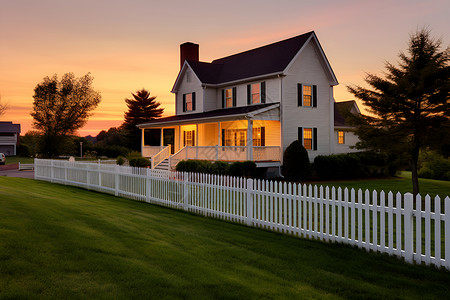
341, 137
189, 138
307, 95
255, 93
188, 102
307, 138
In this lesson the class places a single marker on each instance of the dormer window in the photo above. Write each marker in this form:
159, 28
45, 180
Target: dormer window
188, 102
256, 93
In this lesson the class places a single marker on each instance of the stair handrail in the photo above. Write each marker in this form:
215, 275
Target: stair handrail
174, 156
160, 156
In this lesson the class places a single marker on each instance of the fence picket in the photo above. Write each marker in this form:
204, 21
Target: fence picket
291, 208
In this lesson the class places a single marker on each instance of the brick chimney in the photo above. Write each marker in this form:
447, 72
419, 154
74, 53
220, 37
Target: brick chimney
188, 51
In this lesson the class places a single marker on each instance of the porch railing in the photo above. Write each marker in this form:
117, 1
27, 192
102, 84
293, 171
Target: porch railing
225, 153
149, 151
161, 156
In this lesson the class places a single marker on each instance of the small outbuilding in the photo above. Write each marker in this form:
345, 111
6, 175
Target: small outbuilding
9, 138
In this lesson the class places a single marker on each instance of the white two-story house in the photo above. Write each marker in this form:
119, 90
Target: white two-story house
249, 106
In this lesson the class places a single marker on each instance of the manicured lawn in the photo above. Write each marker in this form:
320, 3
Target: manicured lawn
16, 159
400, 184
62, 242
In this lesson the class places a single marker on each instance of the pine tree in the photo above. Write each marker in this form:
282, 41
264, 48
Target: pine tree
409, 107
141, 108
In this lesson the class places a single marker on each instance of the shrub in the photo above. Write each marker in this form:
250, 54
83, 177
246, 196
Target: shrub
24, 150
296, 165
355, 165
219, 167
426, 173
121, 160
432, 161
194, 166
140, 162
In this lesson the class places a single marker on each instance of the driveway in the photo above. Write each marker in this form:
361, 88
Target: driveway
12, 170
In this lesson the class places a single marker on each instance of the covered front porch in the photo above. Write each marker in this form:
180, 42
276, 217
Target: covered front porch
233, 138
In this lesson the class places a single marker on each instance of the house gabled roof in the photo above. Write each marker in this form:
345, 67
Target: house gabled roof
343, 108
234, 112
9, 127
267, 60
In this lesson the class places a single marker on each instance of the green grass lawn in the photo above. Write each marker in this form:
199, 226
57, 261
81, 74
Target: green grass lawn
63, 242
401, 184
16, 159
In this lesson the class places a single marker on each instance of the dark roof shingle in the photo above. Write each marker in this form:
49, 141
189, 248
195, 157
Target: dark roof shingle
264, 60
224, 112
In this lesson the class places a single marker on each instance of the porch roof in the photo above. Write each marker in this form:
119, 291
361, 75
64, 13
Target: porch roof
224, 114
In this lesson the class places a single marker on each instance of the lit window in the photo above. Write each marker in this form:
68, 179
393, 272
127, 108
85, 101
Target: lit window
189, 138
341, 137
307, 138
229, 98
257, 136
307, 95
256, 93
189, 102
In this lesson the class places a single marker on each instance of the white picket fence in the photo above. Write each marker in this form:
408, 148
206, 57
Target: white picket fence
416, 230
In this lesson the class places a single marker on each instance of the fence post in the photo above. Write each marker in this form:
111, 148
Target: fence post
116, 185
185, 191
408, 225
249, 197
65, 173
147, 186
447, 232
51, 171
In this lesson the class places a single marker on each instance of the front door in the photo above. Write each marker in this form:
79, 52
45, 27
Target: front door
169, 138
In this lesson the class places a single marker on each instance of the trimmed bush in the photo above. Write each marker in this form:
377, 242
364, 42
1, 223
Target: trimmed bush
120, 160
354, 165
239, 169
140, 162
296, 165
434, 166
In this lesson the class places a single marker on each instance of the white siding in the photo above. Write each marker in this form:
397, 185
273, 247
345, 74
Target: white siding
350, 139
189, 87
307, 69
210, 99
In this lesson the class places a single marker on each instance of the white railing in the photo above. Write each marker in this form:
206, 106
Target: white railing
382, 222
149, 151
226, 153
161, 156
267, 153
177, 157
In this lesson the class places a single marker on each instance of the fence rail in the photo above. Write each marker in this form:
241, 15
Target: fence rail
418, 231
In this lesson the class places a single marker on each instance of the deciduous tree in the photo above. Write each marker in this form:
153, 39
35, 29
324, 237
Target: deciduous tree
409, 106
61, 107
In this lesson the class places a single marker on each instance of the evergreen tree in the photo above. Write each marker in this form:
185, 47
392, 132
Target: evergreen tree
141, 108
409, 107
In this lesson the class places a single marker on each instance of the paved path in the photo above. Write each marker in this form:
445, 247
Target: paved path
12, 170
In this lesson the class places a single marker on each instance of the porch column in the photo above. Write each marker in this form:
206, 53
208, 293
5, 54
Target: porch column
219, 139
249, 139
142, 142
196, 141
161, 142
179, 138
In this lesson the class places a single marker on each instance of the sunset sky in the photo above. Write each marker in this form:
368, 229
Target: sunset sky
134, 44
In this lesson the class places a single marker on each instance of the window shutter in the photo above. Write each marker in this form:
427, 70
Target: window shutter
299, 94
300, 135
184, 102
314, 94
314, 138
193, 101
234, 97
263, 136
249, 94
193, 137
263, 92
223, 98
184, 138
223, 137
